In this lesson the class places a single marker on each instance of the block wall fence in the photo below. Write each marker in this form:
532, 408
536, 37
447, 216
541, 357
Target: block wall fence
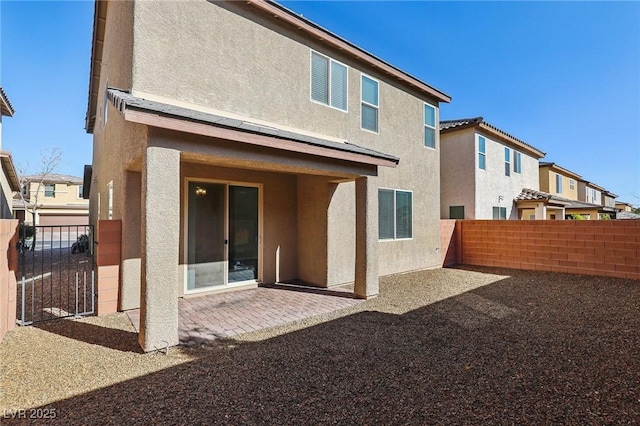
448, 242
108, 239
8, 271
589, 247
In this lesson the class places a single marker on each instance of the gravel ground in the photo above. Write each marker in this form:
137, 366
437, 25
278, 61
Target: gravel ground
50, 283
451, 346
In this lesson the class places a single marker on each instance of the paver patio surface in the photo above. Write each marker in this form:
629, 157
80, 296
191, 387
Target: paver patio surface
225, 315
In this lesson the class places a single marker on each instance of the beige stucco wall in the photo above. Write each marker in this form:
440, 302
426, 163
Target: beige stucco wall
216, 63
463, 183
6, 194
493, 187
548, 183
525, 214
221, 59
313, 193
589, 193
118, 146
624, 207
458, 170
64, 194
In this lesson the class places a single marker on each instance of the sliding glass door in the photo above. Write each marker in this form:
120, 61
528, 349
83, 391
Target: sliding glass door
243, 233
222, 238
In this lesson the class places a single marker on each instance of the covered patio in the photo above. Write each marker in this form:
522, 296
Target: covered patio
227, 204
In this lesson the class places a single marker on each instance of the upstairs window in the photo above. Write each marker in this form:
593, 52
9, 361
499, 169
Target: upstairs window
328, 81
429, 126
507, 162
369, 104
395, 214
558, 184
80, 191
49, 190
572, 184
517, 162
482, 157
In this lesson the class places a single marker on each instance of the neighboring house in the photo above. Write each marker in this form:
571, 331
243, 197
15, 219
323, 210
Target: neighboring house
482, 171
239, 143
9, 182
59, 201
624, 206
609, 202
584, 198
558, 181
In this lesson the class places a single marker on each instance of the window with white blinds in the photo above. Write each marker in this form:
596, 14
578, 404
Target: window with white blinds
395, 214
328, 81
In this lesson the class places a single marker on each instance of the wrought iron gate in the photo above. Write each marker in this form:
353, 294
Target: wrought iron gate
56, 272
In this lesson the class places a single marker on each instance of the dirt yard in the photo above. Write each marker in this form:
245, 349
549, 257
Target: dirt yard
451, 346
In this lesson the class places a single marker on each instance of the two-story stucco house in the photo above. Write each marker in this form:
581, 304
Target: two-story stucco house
9, 182
57, 200
584, 199
239, 143
482, 171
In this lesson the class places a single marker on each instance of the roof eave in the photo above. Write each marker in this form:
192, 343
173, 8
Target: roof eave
10, 171
99, 15
510, 139
155, 119
280, 12
478, 123
5, 104
561, 169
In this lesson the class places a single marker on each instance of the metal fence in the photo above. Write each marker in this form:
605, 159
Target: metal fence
56, 272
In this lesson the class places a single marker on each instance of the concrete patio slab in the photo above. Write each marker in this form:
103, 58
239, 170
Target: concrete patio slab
225, 315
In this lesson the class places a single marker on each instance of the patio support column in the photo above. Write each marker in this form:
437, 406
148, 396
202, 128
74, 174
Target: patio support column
541, 211
366, 268
159, 252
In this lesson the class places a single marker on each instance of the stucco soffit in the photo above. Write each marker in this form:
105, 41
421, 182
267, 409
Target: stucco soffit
9, 171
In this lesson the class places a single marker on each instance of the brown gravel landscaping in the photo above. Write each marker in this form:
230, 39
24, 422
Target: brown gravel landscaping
450, 346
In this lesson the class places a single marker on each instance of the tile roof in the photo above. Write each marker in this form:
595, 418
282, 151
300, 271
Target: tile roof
125, 101
54, 177
5, 104
533, 195
462, 123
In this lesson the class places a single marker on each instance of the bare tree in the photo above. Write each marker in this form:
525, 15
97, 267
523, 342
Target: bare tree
49, 160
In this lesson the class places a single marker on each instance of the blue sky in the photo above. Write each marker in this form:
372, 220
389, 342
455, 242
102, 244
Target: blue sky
562, 76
